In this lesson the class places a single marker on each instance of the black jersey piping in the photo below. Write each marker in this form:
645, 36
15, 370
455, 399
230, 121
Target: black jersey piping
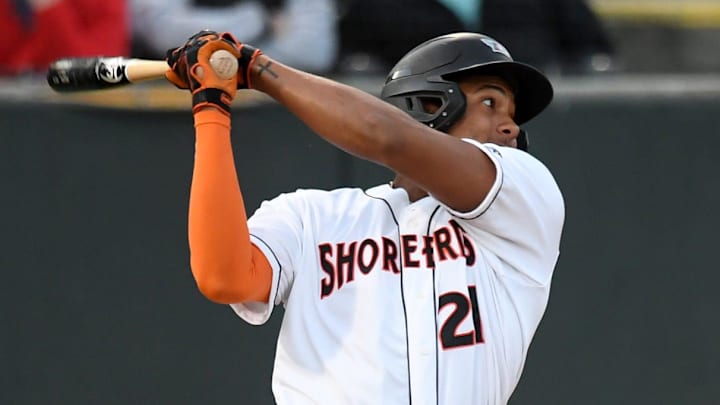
277, 287
402, 293
435, 315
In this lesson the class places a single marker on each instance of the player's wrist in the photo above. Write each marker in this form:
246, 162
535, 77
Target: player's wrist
262, 72
209, 114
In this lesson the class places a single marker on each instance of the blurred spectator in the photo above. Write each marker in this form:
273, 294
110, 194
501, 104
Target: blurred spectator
36, 32
376, 33
301, 33
558, 36
562, 36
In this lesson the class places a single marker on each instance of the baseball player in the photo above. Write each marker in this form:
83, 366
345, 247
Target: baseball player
426, 290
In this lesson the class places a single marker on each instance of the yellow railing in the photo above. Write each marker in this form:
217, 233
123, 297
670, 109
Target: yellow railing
683, 13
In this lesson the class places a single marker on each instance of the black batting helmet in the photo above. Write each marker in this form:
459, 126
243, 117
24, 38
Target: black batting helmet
427, 71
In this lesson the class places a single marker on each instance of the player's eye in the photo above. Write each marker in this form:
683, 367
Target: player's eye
489, 102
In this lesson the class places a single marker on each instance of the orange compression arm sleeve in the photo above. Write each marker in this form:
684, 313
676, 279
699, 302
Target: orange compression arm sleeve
226, 266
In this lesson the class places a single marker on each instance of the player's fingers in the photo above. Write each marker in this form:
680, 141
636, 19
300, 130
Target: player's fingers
173, 78
231, 39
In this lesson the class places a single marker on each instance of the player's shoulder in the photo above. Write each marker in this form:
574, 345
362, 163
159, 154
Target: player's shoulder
508, 152
504, 154
336, 193
333, 197
525, 171
510, 158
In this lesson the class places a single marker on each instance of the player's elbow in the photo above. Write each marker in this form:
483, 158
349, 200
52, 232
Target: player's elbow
221, 290
232, 280
215, 292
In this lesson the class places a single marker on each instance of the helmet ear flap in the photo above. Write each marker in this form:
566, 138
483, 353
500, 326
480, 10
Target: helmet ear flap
413, 94
452, 110
424, 107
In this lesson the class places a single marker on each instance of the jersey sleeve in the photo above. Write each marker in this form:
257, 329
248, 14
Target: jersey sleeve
521, 218
276, 229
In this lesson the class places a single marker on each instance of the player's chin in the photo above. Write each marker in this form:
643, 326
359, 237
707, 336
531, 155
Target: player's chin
505, 140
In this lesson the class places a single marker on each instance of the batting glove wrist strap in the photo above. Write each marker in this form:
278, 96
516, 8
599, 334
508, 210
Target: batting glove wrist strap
211, 98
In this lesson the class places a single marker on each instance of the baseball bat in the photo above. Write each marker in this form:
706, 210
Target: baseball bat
79, 74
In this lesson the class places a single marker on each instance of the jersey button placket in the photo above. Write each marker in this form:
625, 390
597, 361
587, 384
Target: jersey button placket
418, 286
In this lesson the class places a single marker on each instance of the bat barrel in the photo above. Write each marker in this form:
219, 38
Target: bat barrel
77, 74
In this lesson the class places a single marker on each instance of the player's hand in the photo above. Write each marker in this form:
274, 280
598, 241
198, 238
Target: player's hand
248, 54
190, 69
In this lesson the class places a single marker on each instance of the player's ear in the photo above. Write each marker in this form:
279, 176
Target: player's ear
523, 142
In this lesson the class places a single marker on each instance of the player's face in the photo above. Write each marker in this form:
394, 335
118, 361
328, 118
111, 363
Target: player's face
489, 112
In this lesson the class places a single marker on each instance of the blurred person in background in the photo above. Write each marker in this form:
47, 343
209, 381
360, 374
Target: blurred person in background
302, 33
51, 29
375, 34
558, 36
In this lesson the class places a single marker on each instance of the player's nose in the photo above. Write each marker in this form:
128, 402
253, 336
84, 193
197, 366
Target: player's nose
509, 129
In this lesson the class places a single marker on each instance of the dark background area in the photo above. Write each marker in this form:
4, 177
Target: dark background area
99, 305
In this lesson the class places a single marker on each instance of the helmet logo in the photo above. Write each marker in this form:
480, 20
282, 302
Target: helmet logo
496, 47
400, 73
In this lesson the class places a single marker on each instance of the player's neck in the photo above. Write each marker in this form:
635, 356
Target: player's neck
413, 190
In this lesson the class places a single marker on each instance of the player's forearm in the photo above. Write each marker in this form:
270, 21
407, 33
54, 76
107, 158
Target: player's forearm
351, 119
220, 249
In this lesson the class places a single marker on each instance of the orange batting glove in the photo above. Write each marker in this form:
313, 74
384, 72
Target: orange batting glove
248, 54
190, 69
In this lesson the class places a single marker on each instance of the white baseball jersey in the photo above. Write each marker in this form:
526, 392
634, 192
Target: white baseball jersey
389, 301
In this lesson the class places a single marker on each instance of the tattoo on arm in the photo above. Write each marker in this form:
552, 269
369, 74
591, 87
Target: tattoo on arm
266, 68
